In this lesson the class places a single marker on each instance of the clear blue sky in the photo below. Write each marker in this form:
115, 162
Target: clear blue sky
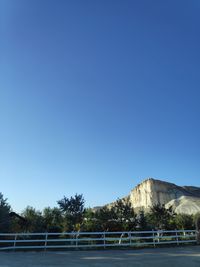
95, 96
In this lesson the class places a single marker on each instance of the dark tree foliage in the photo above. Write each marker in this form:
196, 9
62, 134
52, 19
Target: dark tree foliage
72, 216
5, 220
160, 217
184, 221
142, 221
53, 220
106, 219
35, 220
197, 224
73, 210
118, 217
18, 223
197, 221
90, 222
125, 215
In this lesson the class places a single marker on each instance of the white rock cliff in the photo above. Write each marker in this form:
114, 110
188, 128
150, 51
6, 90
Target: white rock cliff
150, 192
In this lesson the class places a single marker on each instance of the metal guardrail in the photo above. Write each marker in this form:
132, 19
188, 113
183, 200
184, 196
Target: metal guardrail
25, 241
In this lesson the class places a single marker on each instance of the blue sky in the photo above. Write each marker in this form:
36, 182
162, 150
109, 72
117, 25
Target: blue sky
96, 96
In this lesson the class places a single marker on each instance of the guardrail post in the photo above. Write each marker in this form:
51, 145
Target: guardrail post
130, 241
76, 240
198, 236
177, 239
153, 238
45, 244
104, 240
15, 241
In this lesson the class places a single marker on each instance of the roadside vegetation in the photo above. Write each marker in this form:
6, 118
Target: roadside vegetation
71, 215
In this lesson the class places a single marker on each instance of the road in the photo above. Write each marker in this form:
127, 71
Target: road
158, 257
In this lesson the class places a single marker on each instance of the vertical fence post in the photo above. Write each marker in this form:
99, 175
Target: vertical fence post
130, 241
153, 238
158, 236
177, 239
104, 240
45, 244
197, 236
15, 241
76, 240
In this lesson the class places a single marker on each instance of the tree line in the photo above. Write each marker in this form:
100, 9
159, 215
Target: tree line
70, 215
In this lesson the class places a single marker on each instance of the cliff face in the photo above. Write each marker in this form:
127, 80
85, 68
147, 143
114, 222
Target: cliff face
150, 192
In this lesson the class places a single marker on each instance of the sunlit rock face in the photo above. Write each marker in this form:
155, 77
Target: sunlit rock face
185, 204
150, 192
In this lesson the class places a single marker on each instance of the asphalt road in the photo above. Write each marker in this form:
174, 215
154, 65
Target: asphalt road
158, 257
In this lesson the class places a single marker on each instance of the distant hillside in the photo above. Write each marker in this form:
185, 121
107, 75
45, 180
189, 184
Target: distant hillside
184, 199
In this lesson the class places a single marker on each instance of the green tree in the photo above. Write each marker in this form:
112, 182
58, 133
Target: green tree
197, 224
5, 220
160, 217
90, 222
34, 218
197, 221
184, 221
118, 217
106, 219
73, 210
53, 219
142, 221
125, 215
18, 223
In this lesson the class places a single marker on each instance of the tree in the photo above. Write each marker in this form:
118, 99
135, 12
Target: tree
18, 223
184, 221
126, 217
160, 217
53, 219
35, 221
73, 210
197, 224
118, 217
5, 220
142, 221
90, 222
106, 219
196, 219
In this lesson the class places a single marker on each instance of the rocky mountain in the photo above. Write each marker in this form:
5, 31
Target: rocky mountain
184, 199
